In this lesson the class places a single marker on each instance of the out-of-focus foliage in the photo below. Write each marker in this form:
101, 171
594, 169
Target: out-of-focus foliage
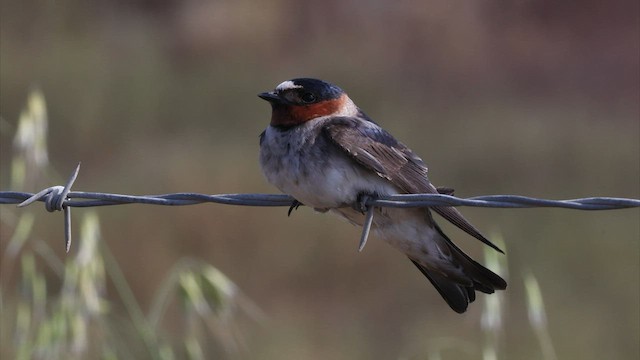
76, 319
532, 98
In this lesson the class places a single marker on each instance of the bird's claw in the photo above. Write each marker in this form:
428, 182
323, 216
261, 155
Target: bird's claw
361, 202
294, 206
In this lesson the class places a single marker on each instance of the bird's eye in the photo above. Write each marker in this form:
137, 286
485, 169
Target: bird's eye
307, 98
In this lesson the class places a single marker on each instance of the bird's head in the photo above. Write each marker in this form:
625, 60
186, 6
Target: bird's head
297, 101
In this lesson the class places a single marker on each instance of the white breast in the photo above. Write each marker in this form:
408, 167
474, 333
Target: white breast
305, 165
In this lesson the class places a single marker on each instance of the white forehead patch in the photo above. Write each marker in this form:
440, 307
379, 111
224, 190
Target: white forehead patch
287, 85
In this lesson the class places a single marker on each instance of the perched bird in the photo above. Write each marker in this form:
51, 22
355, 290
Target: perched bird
324, 151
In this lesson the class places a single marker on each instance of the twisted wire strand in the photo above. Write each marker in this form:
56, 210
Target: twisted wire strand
55, 199
61, 198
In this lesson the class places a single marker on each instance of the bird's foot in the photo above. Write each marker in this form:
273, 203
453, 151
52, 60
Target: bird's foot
361, 202
294, 206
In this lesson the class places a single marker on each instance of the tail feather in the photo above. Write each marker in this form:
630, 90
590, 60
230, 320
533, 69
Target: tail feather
458, 297
484, 279
458, 288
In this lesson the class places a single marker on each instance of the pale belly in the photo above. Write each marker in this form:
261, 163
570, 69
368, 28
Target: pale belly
335, 185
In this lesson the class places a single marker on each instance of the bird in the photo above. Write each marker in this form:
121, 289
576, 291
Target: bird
325, 152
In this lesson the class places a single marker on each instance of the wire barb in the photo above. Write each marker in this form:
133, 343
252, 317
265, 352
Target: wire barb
61, 198
366, 228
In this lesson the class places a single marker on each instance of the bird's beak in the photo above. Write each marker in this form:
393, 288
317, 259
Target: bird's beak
270, 96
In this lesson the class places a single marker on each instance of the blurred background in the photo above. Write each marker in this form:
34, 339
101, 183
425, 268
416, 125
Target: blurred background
527, 97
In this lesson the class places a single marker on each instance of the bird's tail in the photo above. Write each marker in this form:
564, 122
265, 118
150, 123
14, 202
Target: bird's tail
457, 284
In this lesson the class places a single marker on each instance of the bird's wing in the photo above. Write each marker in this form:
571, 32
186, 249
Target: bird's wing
374, 148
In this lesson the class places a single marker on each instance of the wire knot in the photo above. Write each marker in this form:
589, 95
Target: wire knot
55, 199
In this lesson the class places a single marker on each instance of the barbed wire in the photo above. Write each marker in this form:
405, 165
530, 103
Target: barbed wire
61, 198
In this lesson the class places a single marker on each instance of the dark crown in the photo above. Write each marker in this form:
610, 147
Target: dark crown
323, 90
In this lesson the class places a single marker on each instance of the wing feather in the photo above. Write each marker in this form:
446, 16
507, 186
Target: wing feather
376, 149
